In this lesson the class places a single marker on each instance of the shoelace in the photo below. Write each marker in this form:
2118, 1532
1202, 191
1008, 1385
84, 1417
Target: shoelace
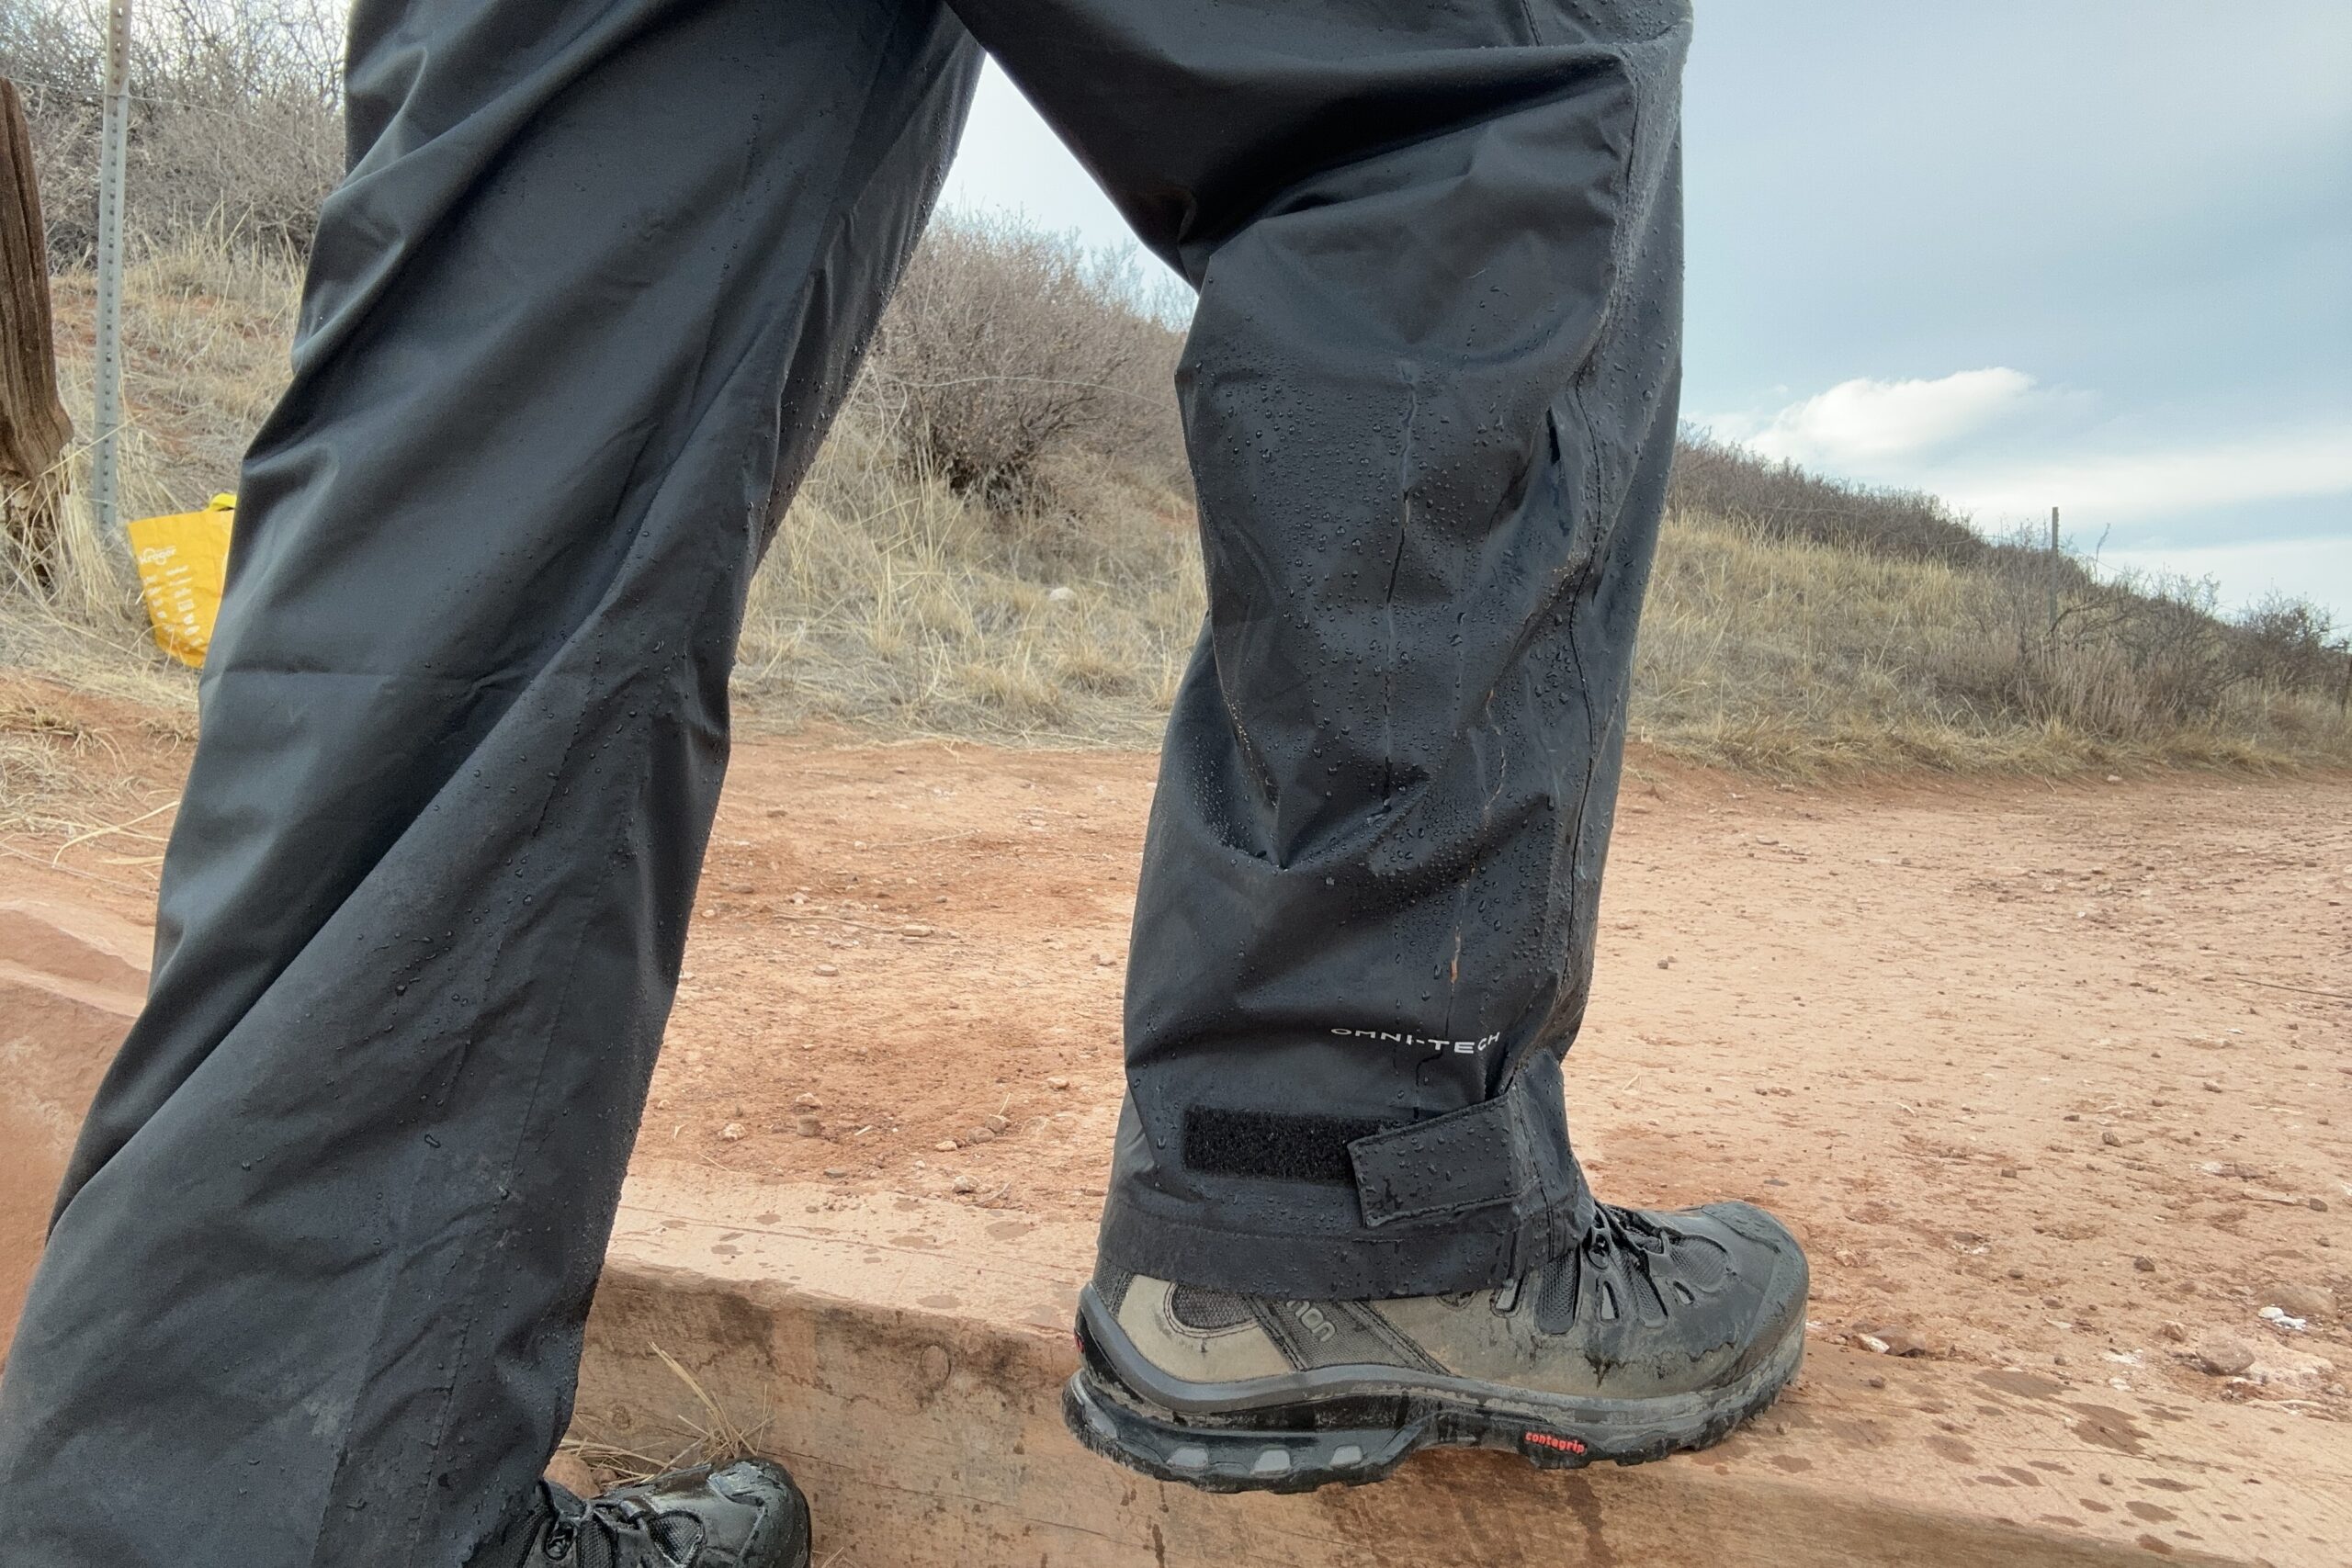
1627, 1230
599, 1534
1614, 1232
1636, 1242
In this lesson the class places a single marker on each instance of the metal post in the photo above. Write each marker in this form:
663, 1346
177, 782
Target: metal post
2053, 576
106, 457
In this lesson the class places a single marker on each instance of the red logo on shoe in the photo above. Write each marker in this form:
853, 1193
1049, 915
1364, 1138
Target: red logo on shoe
1552, 1440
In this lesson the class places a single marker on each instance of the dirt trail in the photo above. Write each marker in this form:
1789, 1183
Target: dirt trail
2050, 1078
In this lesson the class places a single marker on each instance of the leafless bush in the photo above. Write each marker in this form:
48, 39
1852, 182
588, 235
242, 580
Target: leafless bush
1714, 478
1006, 349
235, 125
2291, 645
2126, 657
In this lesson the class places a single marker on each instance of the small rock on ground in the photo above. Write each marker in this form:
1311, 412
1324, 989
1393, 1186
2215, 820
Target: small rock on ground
569, 1470
1887, 1339
2223, 1355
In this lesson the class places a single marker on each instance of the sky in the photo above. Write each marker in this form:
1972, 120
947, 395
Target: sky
2089, 254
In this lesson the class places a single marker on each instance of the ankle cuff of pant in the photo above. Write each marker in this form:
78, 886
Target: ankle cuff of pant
1482, 1155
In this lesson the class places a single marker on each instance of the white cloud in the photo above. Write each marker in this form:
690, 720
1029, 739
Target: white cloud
1864, 424
2133, 485
2005, 449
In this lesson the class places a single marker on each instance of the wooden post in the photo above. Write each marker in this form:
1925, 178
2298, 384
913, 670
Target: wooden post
33, 424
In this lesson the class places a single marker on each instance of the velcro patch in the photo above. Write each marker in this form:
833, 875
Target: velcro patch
1275, 1145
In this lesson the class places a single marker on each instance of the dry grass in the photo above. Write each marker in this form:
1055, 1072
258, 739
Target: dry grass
889, 601
714, 1436
1799, 659
892, 603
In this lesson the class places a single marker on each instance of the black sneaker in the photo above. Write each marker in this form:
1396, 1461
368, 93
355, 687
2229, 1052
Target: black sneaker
1661, 1331
747, 1515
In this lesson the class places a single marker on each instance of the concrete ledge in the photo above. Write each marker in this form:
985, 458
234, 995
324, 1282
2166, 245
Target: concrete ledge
905, 1357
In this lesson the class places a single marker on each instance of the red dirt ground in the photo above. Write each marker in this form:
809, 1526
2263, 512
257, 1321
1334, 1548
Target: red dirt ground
2050, 1076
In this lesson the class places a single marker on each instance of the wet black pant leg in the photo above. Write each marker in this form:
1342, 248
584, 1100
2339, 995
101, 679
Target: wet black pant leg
601, 272
1430, 394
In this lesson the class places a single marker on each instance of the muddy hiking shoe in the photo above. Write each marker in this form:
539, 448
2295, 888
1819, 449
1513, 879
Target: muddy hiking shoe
1660, 1332
746, 1515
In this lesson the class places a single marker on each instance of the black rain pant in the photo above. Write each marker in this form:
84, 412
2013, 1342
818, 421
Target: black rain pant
575, 324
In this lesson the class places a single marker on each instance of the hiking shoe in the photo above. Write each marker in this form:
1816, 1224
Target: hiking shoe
747, 1515
1659, 1332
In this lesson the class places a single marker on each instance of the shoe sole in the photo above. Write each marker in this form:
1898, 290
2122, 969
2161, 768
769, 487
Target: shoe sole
1360, 1432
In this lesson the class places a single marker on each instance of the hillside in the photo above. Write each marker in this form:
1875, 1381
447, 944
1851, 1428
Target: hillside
1795, 628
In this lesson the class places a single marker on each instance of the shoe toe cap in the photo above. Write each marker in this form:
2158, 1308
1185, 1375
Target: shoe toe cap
1774, 1260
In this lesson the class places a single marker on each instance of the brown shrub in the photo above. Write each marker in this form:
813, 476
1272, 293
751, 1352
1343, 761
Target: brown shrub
236, 125
1006, 348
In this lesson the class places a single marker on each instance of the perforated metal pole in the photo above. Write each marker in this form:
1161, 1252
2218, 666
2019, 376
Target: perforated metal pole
2054, 561
106, 457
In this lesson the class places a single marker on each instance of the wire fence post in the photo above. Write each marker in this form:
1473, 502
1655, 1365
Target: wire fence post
2054, 577
105, 455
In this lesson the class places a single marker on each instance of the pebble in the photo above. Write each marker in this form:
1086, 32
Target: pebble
1888, 1340
965, 1184
2223, 1355
569, 1470
2175, 1332
914, 930
1666, 963
2284, 1321
1060, 595
2110, 1140
979, 1136
2144, 1265
808, 1102
808, 1126
2210, 1087
1057, 1083
945, 1145
732, 1131
997, 1124
2302, 1300
836, 1172
1103, 960
828, 968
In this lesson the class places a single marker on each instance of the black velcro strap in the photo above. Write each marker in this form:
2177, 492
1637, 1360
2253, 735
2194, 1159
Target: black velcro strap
1464, 1159
1275, 1145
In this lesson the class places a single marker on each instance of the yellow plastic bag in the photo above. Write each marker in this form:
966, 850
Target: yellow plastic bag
183, 561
